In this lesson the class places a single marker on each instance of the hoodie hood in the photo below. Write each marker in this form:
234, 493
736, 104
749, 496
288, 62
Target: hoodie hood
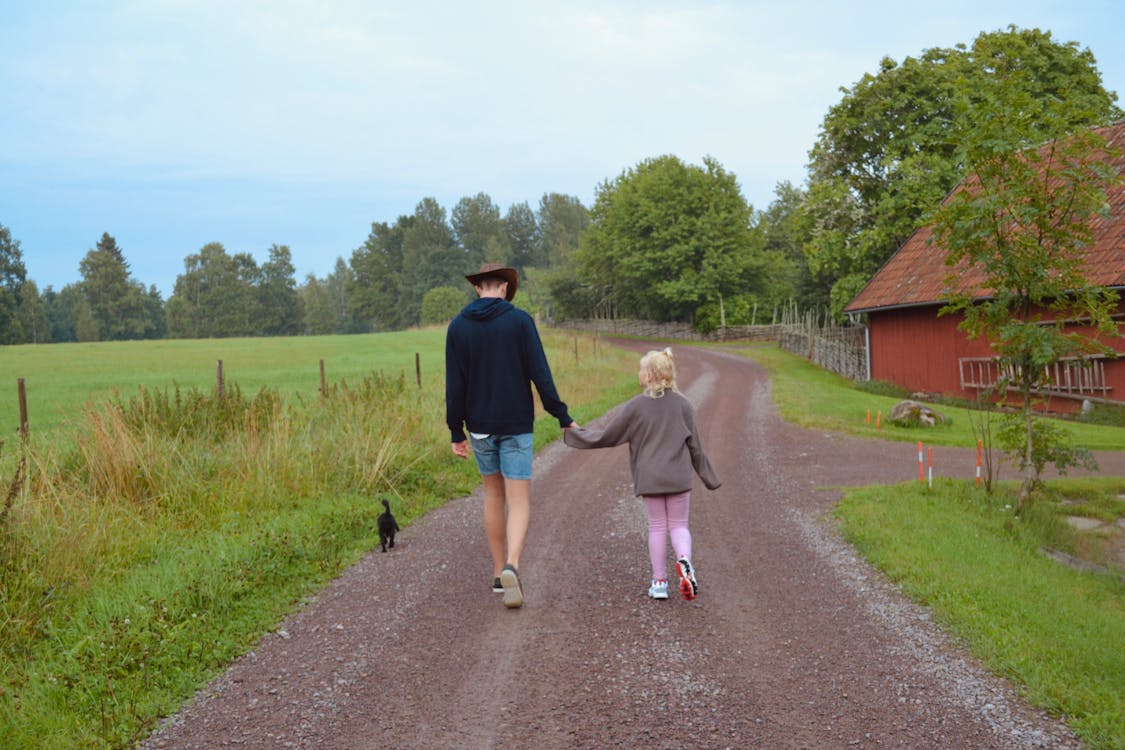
487, 308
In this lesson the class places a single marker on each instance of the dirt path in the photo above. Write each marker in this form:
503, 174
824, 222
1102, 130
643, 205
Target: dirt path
792, 643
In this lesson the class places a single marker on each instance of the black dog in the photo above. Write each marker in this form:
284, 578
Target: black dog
387, 527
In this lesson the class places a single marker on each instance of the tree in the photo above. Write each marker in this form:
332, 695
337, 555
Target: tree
154, 305
442, 304
668, 238
885, 154
61, 309
523, 237
430, 258
1023, 220
374, 281
33, 316
214, 297
785, 233
562, 220
278, 302
478, 228
117, 302
13, 276
318, 318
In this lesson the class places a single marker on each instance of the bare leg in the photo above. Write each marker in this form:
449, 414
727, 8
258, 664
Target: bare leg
518, 494
495, 519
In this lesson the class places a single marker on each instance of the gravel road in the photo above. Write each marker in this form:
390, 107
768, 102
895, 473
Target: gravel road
793, 641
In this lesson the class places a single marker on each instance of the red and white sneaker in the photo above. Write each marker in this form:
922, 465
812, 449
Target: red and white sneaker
689, 587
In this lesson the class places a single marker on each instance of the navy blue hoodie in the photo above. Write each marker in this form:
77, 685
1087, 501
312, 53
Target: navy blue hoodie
492, 356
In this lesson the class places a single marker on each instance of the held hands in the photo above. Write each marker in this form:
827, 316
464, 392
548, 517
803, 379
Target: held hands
461, 449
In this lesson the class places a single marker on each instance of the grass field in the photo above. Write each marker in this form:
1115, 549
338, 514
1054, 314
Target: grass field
61, 378
158, 531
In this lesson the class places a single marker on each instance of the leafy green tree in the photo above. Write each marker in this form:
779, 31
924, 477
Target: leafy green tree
430, 258
375, 279
117, 301
316, 302
279, 305
13, 276
885, 154
562, 220
479, 230
523, 237
785, 233
441, 304
86, 327
33, 316
1023, 220
668, 238
61, 309
215, 295
154, 305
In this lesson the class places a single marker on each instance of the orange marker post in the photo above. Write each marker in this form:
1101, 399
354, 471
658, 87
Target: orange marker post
878, 419
931, 485
868, 416
978, 461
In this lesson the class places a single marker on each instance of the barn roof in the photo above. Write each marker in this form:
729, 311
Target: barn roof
916, 275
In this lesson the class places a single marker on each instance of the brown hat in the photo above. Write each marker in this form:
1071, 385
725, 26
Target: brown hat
497, 271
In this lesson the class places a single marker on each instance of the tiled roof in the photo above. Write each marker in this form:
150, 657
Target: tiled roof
916, 275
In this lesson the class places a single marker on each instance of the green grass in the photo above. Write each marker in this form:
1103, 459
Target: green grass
1056, 633
811, 397
60, 378
160, 531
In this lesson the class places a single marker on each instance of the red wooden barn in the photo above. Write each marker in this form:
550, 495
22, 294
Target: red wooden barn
911, 346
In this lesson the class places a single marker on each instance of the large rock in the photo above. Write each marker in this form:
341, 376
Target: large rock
914, 413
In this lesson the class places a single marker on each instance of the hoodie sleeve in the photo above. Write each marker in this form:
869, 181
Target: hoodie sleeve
540, 373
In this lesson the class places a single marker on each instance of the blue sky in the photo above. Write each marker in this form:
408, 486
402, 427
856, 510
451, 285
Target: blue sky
174, 123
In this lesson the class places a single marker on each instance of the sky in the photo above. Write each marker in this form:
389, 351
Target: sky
170, 124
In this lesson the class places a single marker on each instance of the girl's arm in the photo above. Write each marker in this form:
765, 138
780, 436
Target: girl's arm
699, 460
615, 433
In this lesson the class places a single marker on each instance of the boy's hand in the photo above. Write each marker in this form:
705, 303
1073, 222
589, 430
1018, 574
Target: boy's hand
461, 449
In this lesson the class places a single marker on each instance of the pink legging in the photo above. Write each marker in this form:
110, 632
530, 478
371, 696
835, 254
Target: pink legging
667, 517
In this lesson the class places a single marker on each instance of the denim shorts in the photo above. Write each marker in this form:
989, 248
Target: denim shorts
509, 455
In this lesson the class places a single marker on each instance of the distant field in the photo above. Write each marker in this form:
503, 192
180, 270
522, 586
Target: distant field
61, 378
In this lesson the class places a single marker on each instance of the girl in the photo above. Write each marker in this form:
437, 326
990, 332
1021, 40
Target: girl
664, 450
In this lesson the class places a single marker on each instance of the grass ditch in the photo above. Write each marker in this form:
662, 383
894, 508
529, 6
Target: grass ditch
1053, 630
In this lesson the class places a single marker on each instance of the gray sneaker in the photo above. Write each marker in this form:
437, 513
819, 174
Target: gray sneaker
658, 589
513, 594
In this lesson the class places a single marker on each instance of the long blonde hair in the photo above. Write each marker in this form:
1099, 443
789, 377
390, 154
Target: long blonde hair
659, 368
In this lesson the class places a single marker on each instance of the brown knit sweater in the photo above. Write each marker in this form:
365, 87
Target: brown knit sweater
664, 445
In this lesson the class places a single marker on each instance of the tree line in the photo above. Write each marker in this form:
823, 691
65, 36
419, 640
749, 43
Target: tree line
664, 240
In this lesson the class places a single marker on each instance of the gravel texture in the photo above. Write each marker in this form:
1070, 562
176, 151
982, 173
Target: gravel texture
793, 642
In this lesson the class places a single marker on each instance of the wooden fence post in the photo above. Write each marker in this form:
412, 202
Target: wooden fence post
418, 368
219, 378
323, 382
22, 388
